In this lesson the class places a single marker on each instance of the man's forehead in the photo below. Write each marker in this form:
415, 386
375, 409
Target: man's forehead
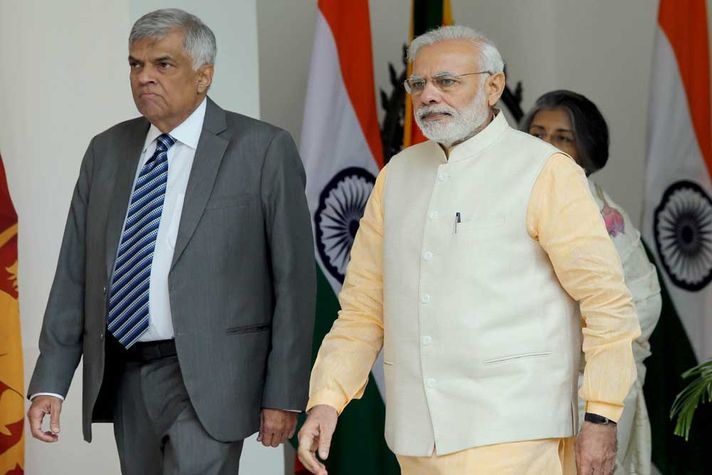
171, 41
446, 56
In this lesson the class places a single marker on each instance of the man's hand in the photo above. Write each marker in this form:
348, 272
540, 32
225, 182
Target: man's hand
276, 426
596, 449
316, 434
40, 407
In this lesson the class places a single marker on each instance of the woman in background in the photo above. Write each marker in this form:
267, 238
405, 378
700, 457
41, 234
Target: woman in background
574, 125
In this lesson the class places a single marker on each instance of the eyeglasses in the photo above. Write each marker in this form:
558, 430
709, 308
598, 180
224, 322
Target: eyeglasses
445, 82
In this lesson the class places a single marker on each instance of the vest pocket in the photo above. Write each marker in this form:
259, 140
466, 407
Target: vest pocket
481, 227
504, 359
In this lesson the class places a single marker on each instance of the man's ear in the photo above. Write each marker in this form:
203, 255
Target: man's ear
494, 87
205, 78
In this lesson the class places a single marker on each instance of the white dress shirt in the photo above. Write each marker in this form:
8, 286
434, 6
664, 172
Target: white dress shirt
180, 161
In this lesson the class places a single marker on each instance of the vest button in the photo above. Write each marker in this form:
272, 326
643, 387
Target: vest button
430, 382
442, 176
427, 340
433, 215
425, 298
427, 255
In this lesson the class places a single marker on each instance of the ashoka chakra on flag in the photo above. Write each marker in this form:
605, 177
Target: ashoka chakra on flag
341, 205
683, 234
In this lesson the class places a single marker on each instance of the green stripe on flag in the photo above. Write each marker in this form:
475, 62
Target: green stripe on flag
327, 309
358, 446
428, 14
672, 355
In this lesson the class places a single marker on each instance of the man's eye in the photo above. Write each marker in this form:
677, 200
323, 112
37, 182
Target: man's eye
445, 82
164, 65
538, 135
417, 85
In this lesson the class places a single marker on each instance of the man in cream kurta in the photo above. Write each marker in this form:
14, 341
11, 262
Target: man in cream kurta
479, 256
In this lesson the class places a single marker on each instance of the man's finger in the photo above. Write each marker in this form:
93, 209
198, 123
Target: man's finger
40, 407
308, 441
277, 439
55, 410
36, 415
310, 462
266, 438
324, 441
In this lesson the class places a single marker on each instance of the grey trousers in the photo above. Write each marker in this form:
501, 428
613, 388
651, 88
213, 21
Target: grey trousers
157, 430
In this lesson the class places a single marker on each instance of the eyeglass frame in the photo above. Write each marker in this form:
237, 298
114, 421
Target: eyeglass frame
443, 75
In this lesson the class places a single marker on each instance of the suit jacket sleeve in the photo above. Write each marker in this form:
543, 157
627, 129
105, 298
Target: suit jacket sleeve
61, 337
289, 236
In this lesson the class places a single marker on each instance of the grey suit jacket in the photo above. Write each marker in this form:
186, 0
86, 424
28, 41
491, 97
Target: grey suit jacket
242, 281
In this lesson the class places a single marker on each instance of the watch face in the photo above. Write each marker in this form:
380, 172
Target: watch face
596, 419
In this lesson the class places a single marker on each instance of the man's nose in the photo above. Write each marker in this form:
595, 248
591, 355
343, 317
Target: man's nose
145, 75
431, 94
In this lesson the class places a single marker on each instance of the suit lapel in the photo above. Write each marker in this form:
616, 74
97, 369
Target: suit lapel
206, 163
123, 185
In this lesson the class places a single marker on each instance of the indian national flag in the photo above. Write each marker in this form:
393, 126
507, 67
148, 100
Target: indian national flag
341, 150
12, 401
677, 226
425, 16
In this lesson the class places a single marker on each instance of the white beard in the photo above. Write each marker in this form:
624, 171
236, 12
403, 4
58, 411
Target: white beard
462, 124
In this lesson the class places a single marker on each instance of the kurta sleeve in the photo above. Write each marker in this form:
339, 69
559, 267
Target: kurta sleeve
351, 347
565, 220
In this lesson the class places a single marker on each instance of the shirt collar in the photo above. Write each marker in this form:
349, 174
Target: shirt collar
187, 133
482, 140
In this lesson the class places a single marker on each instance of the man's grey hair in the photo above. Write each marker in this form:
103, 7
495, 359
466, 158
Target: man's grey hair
490, 58
199, 40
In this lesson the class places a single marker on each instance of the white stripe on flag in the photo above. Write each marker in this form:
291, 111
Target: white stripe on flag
674, 155
332, 138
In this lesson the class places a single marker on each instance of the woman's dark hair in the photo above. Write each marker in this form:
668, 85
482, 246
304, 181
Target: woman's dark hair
590, 128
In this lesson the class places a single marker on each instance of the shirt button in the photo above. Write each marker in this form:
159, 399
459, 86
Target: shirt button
425, 298
104, 290
433, 215
101, 335
430, 382
427, 340
427, 255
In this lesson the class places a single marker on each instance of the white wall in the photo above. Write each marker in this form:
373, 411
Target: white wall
63, 79
601, 48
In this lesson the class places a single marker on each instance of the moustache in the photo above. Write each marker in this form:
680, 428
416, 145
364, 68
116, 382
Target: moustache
429, 110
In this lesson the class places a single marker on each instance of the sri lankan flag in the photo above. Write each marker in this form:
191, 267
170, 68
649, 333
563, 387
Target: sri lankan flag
12, 444
425, 16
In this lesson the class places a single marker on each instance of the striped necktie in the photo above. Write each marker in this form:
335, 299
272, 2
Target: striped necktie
128, 299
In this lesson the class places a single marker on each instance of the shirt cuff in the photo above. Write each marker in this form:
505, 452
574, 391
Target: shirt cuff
609, 411
58, 396
328, 398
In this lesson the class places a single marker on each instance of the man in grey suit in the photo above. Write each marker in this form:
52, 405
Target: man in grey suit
186, 276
